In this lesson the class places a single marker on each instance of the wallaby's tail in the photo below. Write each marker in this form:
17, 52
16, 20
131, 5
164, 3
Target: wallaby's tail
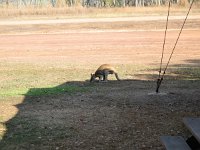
117, 77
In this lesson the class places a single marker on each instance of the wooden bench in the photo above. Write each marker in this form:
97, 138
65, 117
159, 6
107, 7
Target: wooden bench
174, 143
193, 124
178, 143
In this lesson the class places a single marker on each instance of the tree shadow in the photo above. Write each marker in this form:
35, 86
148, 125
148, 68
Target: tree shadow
190, 70
34, 124
112, 115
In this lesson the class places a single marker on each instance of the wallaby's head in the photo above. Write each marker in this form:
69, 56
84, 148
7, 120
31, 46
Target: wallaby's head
92, 77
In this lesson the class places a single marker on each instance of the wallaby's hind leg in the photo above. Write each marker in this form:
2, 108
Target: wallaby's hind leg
116, 75
101, 78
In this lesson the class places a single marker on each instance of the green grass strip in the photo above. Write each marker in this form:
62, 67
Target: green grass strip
42, 91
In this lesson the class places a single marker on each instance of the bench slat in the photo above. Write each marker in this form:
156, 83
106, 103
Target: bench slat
174, 143
193, 124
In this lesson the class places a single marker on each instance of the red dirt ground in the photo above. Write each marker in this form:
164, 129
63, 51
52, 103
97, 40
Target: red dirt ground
138, 47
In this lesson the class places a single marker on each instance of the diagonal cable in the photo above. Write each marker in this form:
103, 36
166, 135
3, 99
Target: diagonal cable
161, 79
177, 39
163, 48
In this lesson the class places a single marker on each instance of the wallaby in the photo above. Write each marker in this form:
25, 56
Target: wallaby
102, 73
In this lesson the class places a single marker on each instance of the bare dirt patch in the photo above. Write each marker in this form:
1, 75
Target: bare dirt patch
99, 47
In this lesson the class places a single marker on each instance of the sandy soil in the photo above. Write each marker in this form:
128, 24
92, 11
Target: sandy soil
142, 47
114, 115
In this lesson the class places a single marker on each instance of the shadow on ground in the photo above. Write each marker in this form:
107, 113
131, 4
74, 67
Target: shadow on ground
113, 115
190, 70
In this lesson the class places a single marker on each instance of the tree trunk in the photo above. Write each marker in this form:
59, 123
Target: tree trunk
7, 3
124, 3
142, 3
136, 3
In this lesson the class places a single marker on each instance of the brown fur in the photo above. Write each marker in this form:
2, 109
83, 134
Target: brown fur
103, 71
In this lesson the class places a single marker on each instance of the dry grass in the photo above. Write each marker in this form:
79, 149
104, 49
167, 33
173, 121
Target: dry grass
78, 11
